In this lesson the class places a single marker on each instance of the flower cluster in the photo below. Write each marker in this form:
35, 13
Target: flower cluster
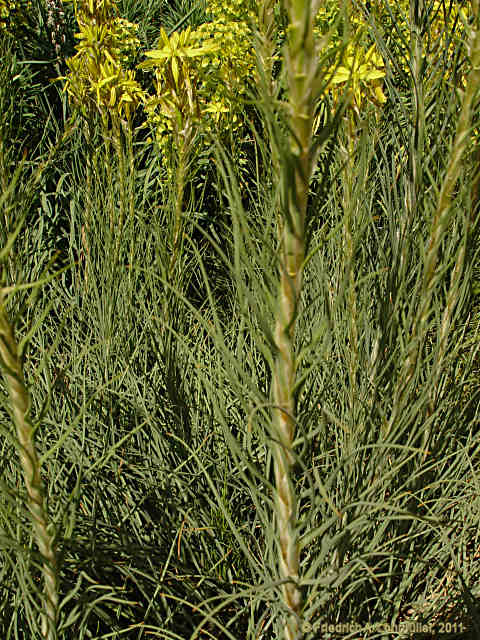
227, 74
175, 104
364, 71
358, 65
204, 73
99, 78
233, 10
202, 76
13, 14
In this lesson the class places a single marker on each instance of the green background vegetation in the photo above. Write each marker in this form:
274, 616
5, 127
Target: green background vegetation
148, 340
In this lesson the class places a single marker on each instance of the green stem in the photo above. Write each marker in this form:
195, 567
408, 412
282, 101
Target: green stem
440, 223
131, 188
301, 67
183, 143
349, 208
20, 404
120, 153
415, 159
109, 172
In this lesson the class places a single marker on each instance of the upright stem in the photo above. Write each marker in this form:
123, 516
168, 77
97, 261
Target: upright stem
90, 172
417, 139
120, 153
349, 210
180, 174
301, 70
19, 399
415, 155
266, 32
131, 187
440, 222
108, 167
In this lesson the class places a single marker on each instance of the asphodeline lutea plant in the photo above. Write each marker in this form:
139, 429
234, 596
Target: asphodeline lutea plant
174, 110
99, 78
175, 104
216, 62
352, 72
201, 80
100, 82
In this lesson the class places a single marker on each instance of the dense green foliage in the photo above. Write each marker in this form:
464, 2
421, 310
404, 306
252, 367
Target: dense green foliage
145, 166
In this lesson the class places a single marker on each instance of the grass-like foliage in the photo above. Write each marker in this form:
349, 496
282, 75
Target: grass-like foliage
239, 314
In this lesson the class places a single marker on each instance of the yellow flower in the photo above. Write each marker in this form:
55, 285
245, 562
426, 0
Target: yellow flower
216, 109
175, 51
362, 70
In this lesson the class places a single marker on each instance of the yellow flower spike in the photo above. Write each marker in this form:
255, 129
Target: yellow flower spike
189, 80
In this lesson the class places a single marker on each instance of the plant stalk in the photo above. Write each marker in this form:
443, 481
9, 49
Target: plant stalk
20, 404
301, 65
440, 223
